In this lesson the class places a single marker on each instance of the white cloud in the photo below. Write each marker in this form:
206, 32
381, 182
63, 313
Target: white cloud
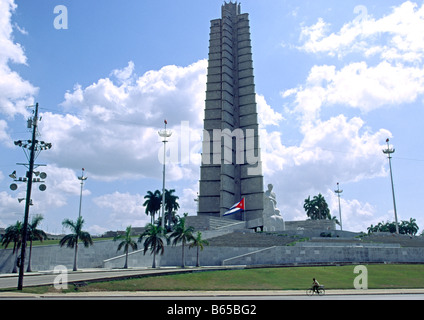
10, 50
4, 136
396, 36
338, 149
15, 92
63, 180
396, 78
187, 199
266, 115
21, 30
125, 74
111, 128
122, 209
356, 216
356, 85
367, 88
60, 182
342, 148
10, 210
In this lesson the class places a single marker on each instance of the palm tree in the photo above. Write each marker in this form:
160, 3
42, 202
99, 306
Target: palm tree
371, 229
322, 206
183, 234
152, 203
34, 234
153, 241
171, 206
71, 240
13, 233
199, 243
127, 242
336, 221
317, 208
405, 227
309, 207
411, 227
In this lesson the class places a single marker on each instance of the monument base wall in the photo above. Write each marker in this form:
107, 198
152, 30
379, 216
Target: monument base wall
105, 255
311, 225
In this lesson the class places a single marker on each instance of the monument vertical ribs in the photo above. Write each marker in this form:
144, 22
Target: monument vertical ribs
231, 165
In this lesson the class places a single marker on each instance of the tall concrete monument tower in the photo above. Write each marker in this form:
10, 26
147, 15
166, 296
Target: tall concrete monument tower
231, 164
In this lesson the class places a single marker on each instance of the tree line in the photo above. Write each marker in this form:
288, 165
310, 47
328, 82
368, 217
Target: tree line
155, 236
405, 227
175, 232
317, 208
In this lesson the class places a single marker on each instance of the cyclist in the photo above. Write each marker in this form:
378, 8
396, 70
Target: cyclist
315, 285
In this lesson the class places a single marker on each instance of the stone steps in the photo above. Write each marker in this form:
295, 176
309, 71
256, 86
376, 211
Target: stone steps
211, 223
249, 239
219, 223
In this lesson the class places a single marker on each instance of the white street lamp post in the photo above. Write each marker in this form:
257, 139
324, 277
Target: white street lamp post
82, 178
338, 191
164, 134
389, 151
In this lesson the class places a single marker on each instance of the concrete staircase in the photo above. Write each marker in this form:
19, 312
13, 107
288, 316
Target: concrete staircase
250, 239
202, 223
222, 223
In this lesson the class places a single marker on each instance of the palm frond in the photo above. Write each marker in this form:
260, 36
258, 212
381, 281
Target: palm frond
70, 241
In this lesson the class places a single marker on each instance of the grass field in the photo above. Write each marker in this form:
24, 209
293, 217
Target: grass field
291, 278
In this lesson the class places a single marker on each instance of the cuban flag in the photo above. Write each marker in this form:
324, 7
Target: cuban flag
235, 208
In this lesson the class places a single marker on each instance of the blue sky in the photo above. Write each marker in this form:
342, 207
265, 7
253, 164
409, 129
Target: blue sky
334, 80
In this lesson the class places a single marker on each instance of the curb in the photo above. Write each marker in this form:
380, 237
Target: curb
206, 294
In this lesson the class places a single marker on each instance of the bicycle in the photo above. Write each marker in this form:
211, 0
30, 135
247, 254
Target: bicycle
320, 291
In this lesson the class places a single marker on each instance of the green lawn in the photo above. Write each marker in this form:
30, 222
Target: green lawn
292, 278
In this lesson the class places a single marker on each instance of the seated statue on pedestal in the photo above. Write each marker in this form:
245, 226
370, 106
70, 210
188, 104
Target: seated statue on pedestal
273, 221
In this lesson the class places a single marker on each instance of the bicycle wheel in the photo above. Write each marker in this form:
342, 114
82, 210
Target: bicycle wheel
321, 292
309, 292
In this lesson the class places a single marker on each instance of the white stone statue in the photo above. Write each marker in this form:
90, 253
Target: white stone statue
273, 221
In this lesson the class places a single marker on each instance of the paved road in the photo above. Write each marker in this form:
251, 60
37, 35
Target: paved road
240, 296
48, 278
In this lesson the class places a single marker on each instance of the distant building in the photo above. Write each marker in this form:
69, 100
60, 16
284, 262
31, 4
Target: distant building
135, 231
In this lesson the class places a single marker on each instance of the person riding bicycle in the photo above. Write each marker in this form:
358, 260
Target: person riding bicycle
315, 285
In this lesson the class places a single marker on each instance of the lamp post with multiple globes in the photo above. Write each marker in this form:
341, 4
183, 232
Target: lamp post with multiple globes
32, 149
